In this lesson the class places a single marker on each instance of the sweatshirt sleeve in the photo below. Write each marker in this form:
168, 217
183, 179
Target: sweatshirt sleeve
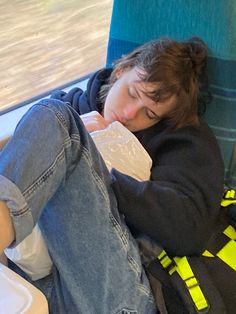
180, 204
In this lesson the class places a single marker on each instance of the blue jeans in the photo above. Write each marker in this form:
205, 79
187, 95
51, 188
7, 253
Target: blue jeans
52, 173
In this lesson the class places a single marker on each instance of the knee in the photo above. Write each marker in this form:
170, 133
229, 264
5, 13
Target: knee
43, 117
65, 114
51, 109
48, 119
56, 106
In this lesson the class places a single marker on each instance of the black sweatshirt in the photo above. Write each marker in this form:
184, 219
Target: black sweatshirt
179, 206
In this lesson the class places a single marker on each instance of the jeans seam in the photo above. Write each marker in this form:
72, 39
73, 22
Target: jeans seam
63, 124
133, 264
99, 181
75, 137
66, 144
20, 212
146, 291
127, 311
47, 174
59, 116
123, 236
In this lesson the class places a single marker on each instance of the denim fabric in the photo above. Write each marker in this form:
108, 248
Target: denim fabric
51, 172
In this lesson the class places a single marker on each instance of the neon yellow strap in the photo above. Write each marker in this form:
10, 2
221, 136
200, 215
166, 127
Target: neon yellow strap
226, 203
229, 198
230, 194
228, 253
164, 259
207, 254
230, 232
184, 270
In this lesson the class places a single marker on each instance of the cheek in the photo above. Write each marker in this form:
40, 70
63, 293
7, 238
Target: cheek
109, 103
114, 99
110, 107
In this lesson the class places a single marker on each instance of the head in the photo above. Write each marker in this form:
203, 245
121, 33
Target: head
162, 79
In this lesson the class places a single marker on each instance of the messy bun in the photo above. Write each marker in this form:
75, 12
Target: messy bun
197, 50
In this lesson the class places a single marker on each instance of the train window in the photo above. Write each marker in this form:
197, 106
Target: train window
49, 43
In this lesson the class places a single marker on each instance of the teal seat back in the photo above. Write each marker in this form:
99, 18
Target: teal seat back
135, 22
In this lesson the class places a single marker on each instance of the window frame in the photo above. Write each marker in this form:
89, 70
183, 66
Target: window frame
10, 117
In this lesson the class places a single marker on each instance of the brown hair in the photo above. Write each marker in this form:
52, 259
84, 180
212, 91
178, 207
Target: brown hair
181, 70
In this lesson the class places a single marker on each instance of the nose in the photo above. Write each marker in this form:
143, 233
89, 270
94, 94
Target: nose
129, 112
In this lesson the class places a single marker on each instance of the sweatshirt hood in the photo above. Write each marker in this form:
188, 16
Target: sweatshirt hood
89, 101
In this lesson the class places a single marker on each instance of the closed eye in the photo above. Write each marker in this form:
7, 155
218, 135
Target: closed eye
132, 94
151, 114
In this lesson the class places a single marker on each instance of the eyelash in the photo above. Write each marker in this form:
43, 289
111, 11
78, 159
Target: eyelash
131, 95
151, 115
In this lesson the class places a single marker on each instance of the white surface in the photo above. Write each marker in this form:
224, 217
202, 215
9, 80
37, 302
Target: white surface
31, 255
17, 296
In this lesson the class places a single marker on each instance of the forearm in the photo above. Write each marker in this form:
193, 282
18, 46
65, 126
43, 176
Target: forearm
170, 217
7, 232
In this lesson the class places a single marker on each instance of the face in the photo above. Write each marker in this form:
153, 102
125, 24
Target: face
127, 103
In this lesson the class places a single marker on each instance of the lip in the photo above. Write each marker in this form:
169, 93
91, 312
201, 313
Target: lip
115, 117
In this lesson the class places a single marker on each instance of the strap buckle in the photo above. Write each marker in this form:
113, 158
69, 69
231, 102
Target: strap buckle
229, 195
190, 283
167, 262
229, 198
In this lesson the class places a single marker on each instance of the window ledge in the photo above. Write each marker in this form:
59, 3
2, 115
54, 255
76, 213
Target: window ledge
9, 120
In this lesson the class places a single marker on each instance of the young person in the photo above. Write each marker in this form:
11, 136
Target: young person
52, 173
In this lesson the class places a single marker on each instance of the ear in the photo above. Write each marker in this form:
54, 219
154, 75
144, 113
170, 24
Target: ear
119, 73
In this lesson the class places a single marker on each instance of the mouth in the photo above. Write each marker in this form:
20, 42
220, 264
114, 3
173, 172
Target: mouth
115, 117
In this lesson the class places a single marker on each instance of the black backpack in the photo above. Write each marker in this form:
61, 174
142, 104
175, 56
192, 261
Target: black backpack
199, 284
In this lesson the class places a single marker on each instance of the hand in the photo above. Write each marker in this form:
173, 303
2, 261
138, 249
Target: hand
93, 121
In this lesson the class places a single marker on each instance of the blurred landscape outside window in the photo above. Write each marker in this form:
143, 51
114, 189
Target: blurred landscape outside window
45, 44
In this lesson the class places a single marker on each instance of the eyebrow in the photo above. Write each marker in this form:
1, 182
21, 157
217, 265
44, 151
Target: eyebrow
136, 90
146, 94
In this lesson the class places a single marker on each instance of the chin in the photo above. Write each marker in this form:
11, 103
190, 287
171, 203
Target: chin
130, 128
